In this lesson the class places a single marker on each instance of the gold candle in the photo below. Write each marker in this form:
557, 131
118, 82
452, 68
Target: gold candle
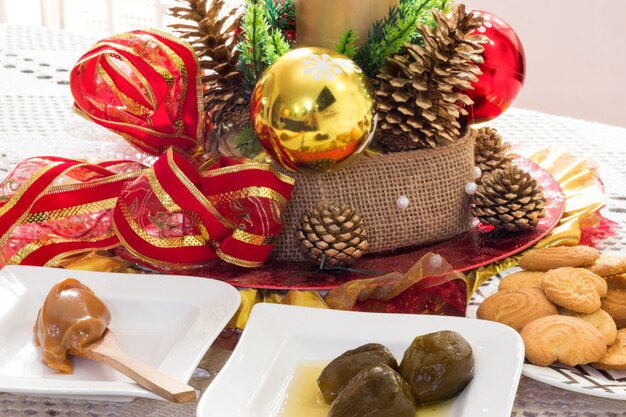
322, 22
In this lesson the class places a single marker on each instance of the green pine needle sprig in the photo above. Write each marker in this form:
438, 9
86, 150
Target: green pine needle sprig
247, 143
428, 19
281, 14
347, 43
400, 26
260, 43
254, 29
280, 47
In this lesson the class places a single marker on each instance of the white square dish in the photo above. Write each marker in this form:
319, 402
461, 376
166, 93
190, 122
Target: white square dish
168, 322
279, 338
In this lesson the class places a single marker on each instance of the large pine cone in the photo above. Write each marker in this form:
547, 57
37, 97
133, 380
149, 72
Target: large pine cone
509, 199
420, 92
333, 233
209, 28
490, 151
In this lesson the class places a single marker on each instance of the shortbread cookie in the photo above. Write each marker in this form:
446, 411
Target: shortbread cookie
522, 279
576, 289
516, 307
600, 319
615, 357
569, 340
616, 281
615, 304
557, 257
607, 265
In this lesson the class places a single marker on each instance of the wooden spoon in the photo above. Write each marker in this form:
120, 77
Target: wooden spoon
108, 352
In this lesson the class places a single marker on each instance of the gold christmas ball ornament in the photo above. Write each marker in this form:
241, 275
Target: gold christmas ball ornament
313, 109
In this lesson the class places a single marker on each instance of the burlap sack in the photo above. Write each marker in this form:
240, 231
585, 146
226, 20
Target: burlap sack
433, 180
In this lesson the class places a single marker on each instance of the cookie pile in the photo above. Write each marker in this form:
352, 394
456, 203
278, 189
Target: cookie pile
569, 305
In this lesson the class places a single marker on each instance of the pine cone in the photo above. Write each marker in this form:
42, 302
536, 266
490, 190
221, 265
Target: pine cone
490, 151
239, 116
420, 97
211, 33
321, 165
223, 136
509, 199
332, 232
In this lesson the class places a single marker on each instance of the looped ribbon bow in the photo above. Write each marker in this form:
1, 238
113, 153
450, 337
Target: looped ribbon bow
144, 85
182, 212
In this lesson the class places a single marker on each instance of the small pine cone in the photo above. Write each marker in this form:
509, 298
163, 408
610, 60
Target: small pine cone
490, 151
224, 104
509, 199
222, 136
332, 232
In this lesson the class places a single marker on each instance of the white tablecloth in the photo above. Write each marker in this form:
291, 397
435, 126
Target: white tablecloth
36, 119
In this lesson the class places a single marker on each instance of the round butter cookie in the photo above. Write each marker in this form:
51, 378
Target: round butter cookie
521, 279
576, 289
545, 259
615, 304
615, 357
600, 319
568, 340
607, 265
516, 307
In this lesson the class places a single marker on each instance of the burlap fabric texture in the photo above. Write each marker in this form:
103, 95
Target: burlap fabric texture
433, 179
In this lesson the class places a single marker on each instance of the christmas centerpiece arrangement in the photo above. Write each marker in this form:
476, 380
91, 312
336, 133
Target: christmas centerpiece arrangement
402, 166
331, 136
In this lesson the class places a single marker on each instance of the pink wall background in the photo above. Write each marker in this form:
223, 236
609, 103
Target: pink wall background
576, 55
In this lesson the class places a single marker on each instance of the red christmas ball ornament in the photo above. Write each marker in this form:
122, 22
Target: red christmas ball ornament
504, 69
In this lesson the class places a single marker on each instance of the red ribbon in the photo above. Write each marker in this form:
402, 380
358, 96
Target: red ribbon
144, 85
173, 214
52, 208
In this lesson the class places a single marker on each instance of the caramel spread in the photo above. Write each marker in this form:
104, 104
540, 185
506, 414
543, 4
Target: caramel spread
71, 317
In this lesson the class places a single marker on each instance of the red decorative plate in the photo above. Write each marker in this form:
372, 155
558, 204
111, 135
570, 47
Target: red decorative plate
479, 246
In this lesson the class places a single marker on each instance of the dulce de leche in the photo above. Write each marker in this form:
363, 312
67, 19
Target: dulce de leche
71, 317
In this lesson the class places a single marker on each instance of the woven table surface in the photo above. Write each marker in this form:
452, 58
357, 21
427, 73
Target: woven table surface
36, 119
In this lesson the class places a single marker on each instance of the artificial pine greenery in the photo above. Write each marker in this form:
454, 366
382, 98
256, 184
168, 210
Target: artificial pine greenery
260, 43
247, 143
400, 26
279, 47
428, 19
281, 14
347, 43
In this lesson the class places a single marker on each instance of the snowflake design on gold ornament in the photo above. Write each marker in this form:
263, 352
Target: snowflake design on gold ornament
324, 67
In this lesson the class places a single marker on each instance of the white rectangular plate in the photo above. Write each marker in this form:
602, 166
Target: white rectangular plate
278, 338
169, 322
